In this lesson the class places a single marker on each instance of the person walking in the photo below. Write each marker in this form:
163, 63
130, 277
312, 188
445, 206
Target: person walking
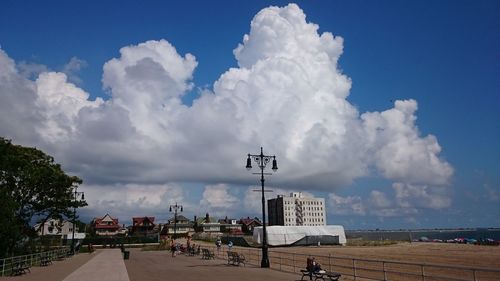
218, 243
173, 248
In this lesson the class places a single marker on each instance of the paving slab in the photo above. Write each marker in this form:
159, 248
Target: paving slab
107, 265
161, 266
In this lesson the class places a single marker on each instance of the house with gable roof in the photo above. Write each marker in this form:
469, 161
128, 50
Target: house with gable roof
207, 225
106, 226
55, 227
181, 228
230, 226
142, 226
248, 224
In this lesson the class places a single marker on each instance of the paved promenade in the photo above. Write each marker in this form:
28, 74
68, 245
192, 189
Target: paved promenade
161, 266
108, 265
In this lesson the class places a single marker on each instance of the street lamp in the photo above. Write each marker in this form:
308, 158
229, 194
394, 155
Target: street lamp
262, 161
76, 196
175, 208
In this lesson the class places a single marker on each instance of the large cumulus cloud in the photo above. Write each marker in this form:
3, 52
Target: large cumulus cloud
287, 95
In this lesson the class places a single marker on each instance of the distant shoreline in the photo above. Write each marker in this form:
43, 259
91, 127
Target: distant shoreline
415, 234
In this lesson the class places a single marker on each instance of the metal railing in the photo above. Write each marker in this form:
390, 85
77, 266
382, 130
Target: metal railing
367, 269
34, 259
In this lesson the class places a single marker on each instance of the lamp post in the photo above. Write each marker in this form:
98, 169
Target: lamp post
262, 161
175, 207
76, 194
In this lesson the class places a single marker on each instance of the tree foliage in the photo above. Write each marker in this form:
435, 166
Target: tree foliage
32, 186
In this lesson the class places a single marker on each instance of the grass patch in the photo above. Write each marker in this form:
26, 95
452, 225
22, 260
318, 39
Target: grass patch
359, 242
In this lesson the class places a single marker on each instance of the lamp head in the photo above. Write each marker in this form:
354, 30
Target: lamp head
275, 164
249, 163
170, 209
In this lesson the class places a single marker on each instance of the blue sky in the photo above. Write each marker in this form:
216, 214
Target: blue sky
442, 54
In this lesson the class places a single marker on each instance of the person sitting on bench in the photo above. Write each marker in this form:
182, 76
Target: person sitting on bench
316, 266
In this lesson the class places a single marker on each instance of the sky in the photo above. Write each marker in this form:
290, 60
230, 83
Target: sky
387, 109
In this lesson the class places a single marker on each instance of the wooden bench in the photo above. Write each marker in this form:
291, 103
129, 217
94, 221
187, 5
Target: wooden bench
45, 260
19, 267
61, 255
191, 252
326, 275
305, 273
207, 254
235, 259
320, 275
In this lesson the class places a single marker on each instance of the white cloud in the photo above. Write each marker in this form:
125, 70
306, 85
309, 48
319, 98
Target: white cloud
379, 199
31, 70
407, 201
60, 103
408, 195
72, 68
382, 206
19, 114
346, 205
288, 95
148, 80
217, 199
253, 200
127, 200
398, 150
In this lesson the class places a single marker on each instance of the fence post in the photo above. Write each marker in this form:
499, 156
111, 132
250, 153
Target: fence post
354, 268
423, 272
280, 261
329, 262
385, 273
3, 266
293, 260
474, 274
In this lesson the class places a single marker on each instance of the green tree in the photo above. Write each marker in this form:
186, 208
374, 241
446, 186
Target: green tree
32, 186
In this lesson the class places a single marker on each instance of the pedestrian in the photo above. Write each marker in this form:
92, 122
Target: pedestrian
218, 243
230, 245
310, 267
173, 248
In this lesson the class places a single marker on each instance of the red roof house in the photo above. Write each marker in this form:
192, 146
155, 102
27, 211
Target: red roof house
105, 225
248, 224
143, 225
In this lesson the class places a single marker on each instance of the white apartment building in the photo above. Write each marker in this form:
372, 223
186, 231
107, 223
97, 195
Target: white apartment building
296, 210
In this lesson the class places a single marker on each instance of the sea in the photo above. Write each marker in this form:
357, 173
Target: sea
416, 234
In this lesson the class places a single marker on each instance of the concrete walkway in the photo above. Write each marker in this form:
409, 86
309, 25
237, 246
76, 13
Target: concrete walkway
161, 266
107, 265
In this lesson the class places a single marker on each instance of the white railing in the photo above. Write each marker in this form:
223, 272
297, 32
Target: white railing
34, 259
368, 269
